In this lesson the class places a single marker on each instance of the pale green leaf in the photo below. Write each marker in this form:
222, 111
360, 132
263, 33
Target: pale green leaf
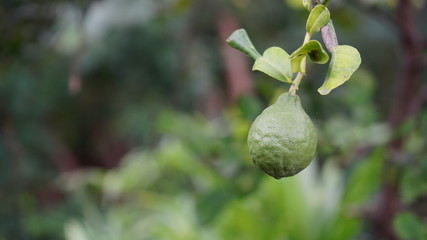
345, 61
240, 40
295, 4
314, 50
318, 18
307, 4
296, 64
275, 62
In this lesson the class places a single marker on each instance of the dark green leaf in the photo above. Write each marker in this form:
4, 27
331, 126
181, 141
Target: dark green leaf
240, 40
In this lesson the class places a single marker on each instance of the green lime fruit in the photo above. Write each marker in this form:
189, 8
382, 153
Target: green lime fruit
282, 140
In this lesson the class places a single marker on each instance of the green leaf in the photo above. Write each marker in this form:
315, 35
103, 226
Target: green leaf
296, 64
318, 18
345, 61
307, 4
408, 226
275, 63
313, 49
240, 40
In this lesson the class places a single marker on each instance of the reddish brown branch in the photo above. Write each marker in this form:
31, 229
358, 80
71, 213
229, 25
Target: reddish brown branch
418, 101
74, 80
237, 69
406, 103
411, 45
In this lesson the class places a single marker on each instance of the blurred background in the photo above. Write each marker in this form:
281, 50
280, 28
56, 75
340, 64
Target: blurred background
127, 119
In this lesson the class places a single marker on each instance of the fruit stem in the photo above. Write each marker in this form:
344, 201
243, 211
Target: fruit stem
295, 83
294, 87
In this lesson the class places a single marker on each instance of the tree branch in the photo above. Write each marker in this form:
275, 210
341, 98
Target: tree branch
411, 45
405, 104
329, 36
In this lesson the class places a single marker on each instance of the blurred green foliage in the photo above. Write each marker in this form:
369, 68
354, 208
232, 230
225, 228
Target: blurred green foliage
207, 189
107, 128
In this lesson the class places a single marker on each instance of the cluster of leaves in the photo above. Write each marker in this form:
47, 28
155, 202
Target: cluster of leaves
278, 64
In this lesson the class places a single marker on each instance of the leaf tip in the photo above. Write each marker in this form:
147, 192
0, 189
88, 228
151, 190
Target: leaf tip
324, 91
